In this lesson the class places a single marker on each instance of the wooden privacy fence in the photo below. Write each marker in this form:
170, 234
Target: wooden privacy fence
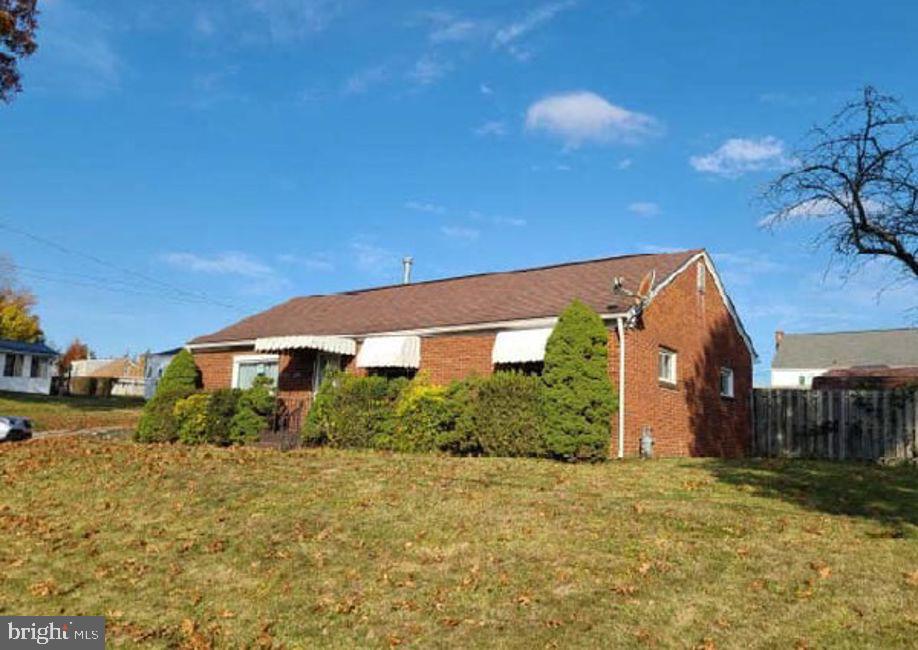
836, 424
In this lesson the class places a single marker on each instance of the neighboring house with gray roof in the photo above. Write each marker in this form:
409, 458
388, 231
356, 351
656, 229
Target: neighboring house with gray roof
799, 358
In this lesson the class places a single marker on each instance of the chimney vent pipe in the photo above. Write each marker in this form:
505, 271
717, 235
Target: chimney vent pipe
406, 269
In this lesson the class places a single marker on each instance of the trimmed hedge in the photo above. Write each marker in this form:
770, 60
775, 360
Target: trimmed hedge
352, 411
425, 418
506, 416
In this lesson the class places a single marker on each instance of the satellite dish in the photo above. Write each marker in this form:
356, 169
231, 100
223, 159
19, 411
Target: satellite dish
646, 285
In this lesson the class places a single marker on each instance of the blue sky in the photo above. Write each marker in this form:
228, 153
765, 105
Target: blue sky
198, 161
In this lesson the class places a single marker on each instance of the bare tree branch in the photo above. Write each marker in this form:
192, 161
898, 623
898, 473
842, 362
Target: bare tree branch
859, 175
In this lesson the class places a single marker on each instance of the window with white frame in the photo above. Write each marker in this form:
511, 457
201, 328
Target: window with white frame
12, 367
701, 276
249, 366
667, 366
726, 382
39, 367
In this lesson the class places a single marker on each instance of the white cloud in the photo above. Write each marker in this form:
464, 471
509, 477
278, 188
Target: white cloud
738, 156
644, 208
228, 263
291, 20
424, 206
508, 37
428, 69
516, 222
362, 80
624, 163
457, 31
375, 260
583, 116
79, 50
491, 127
485, 89
315, 262
204, 24
460, 232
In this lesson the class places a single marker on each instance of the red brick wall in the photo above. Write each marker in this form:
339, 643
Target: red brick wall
217, 366
690, 419
454, 356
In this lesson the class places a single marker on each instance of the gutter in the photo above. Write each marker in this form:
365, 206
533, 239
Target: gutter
620, 326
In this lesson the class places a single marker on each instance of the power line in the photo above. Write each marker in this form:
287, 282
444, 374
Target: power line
105, 286
198, 296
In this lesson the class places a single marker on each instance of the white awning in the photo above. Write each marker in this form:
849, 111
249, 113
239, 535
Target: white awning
390, 352
335, 344
520, 346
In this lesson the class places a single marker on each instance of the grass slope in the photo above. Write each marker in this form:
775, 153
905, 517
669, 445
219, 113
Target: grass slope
201, 547
53, 412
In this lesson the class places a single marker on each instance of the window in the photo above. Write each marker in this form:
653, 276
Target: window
324, 362
667, 368
726, 382
13, 365
39, 367
247, 367
392, 372
701, 276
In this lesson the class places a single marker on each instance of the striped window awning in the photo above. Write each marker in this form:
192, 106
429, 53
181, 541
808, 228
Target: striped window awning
520, 346
390, 352
334, 344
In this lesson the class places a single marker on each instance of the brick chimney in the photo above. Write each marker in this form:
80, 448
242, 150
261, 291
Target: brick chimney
779, 336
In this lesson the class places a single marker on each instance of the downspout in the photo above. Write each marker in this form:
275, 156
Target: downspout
620, 324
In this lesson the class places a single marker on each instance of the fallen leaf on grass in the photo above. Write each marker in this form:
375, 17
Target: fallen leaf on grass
911, 578
821, 568
44, 589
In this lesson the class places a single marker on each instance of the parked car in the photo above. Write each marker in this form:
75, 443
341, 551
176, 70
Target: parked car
15, 428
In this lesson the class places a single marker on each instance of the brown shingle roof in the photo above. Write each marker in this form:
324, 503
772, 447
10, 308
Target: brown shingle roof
486, 298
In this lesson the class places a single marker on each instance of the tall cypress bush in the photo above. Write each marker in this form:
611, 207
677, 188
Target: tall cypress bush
158, 422
579, 398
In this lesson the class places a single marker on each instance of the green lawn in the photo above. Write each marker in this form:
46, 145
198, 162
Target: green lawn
201, 547
55, 413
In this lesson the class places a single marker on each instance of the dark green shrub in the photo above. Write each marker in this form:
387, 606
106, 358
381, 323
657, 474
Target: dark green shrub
461, 440
425, 416
505, 417
351, 411
253, 411
579, 398
158, 422
180, 373
221, 409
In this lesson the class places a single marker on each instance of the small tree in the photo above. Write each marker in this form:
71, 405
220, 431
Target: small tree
76, 351
579, 398
158, 422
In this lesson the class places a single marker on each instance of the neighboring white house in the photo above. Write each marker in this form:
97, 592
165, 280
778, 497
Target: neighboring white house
799, 358
155, 367
26, 367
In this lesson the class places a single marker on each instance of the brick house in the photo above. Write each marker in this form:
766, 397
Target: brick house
679, 358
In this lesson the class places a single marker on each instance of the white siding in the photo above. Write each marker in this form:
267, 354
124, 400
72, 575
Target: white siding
790, 377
